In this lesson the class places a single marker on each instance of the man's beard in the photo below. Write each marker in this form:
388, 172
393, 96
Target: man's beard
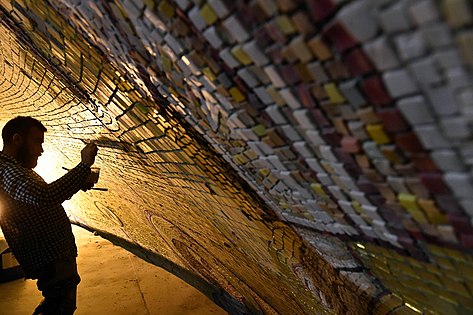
24, 157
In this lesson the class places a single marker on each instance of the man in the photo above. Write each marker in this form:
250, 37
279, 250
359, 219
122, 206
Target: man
32, 218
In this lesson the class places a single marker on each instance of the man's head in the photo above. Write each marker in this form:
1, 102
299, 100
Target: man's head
23, 139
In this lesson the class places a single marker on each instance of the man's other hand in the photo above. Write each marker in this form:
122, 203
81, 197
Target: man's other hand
89, 153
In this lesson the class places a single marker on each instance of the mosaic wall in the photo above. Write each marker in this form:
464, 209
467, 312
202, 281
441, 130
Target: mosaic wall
291, 157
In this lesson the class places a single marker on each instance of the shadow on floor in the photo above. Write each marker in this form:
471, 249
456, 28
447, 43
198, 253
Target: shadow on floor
116, 282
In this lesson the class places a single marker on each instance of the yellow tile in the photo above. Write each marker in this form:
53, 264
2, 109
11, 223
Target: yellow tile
264, 171
377, 133
241, 55
409, 202
317, 188
433, 213
465, 42
357, 206
208, 14
285, 24
236, 94
333, 93
166, 8
319, 48
209, 74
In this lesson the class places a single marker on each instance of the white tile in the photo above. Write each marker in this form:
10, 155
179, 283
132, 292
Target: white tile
439, 96
431, 137
314, 137
248, 77
183, 4
275, 114
236, 29
219, 7
255, 53
314, 165
410, 45
327, 153
359, 19
303, 149
291, 133
263, 95
360, 197
196, 18
423, 12
383, 166
227, 56
348, 183
274, 76
394, 18
303, 119
174, 44
372, 212
212, 37
346, 207
415, 110
371, 149
437, 36
426, 72
381, 54
290, 99
447, 160
399, 83
357, 129
324, 179
460, 184
274, 159
352, 94
337, 192
456, 127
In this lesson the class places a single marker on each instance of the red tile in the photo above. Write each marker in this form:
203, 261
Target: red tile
357, 62
320, 9
331, 135
305, 96
366, 186
408, 142
375, 92
350, 144
424, 163
467, 240
392, 119
434, 183
461, 223
290, 74
339, 37
319, 117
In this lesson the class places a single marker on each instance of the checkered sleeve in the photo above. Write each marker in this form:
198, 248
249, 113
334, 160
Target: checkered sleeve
21, 184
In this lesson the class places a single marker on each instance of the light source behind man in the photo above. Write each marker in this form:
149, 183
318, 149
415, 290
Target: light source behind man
35, 224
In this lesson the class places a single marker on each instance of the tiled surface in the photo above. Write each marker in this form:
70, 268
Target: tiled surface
347, 118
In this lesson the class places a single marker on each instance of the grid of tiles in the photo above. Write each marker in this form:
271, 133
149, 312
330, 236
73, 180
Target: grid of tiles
346, 117
340, 126
178, 201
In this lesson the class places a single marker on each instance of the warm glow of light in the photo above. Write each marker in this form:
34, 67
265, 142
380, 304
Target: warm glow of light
186, 61
49, 168
412, 308
360, 245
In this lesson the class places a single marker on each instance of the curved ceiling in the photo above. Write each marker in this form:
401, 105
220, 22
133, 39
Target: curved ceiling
291, 157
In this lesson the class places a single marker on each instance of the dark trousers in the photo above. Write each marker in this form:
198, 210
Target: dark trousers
58, 285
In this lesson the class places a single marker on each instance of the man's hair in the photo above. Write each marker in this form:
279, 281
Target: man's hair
20, 125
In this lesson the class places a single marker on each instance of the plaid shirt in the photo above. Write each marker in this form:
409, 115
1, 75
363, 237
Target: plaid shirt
33, 221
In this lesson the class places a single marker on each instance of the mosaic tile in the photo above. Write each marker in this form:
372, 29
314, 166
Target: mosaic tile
332, 113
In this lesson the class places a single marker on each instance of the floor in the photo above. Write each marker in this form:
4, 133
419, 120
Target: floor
116, 282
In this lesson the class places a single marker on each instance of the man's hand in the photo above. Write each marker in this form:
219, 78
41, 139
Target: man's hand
88, 154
